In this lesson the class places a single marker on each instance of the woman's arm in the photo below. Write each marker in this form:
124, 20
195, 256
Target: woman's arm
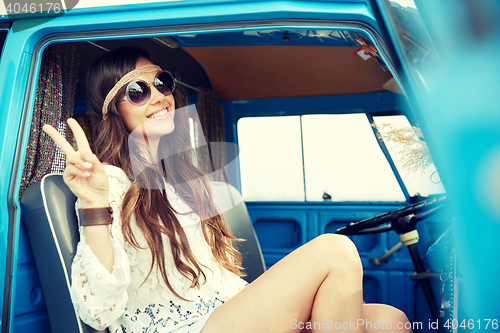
100, 273
99, 240
99, 287
98, 236
85, 176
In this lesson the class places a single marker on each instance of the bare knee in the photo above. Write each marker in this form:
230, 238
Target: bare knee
338, 251
378, 313
399, 319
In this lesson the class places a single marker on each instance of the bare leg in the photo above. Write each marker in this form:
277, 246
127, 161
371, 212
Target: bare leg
385, 319
321, 280
381, 318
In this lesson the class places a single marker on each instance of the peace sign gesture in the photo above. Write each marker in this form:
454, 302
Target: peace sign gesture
84, 173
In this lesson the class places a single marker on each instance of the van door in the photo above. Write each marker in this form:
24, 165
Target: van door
13, 87
4, 212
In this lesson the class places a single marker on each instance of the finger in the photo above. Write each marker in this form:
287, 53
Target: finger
76, 159
91, 161
59, 140
72, 170
81, 139
85, 161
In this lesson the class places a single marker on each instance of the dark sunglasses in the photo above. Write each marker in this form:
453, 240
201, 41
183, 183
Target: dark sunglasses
139, 91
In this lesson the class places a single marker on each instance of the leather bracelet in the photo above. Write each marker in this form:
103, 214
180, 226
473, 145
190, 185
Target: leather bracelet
95, 216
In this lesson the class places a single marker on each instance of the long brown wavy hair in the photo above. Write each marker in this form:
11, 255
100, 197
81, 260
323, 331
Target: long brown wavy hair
153, 212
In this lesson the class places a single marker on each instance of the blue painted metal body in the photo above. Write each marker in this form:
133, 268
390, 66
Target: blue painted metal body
20, 65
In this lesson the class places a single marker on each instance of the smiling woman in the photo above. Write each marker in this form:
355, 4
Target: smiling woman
151, 250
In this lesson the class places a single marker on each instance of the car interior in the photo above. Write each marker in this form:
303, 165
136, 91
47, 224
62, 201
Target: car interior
265, 75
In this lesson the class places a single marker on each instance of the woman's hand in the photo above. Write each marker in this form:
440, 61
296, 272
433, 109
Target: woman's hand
84, 173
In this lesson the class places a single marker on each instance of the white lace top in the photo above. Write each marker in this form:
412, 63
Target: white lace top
122, 300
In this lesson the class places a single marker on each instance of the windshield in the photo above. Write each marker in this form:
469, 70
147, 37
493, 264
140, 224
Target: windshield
410, 154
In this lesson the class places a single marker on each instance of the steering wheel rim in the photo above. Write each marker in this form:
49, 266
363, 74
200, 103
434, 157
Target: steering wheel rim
372, 225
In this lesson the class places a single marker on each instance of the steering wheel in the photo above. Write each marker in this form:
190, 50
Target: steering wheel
408, 215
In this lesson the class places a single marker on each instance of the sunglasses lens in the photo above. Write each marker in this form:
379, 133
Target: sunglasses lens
164, 82
138, 92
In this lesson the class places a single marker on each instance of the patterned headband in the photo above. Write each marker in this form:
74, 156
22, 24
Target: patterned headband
124, 80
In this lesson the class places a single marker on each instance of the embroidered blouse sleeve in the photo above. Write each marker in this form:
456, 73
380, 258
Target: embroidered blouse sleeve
100, 297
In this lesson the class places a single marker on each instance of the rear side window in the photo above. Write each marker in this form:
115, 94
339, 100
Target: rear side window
314, 158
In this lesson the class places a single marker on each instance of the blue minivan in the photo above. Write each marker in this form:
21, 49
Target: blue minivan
324, 106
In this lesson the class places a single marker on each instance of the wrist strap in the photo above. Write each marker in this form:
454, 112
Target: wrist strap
95, 216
